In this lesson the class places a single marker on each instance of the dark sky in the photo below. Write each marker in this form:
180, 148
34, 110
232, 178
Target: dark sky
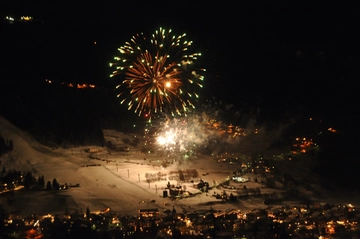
270, 51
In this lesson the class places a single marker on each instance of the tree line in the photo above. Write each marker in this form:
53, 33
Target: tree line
6, 145
14, 178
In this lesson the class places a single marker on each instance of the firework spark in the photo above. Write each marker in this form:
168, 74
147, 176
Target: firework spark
185, 134
161, 73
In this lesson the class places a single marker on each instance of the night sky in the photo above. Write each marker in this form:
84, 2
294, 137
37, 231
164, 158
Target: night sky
262, 53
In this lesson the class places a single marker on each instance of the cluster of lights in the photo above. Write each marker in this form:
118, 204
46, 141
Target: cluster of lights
11, 19
73, 85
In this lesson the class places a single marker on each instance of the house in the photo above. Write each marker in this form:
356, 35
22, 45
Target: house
151, 212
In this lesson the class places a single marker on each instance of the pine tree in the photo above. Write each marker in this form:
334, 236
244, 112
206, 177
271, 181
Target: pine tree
41, 181
55, 184
48, 186
87, 212
28, 180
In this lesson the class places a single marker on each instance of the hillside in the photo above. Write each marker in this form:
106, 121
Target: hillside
120, 182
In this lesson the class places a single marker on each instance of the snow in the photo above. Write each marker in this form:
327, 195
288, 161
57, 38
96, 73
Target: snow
119, 182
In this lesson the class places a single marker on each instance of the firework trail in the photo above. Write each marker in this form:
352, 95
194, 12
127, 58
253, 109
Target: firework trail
160, 73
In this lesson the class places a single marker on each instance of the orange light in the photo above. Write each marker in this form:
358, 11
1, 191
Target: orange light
332, 130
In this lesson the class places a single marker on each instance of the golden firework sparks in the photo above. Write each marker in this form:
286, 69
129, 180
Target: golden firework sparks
160, 73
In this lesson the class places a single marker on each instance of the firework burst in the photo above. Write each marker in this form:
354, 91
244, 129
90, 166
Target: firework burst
160, 73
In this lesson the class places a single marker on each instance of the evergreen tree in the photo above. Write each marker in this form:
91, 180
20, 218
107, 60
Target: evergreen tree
232, 197
55, 184
87, 212
41, 181
6, 145
48, 186
28, 180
